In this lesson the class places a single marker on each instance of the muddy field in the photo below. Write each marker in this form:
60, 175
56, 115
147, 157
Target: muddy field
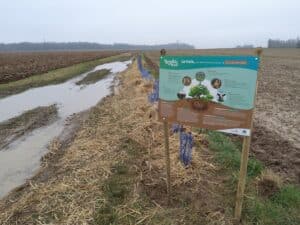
16, 127
277, 118
16, 66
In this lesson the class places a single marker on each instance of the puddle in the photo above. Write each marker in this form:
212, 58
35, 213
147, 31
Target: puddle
22, 158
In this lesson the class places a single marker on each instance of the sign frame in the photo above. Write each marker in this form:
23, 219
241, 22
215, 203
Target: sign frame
244, 156
221, 98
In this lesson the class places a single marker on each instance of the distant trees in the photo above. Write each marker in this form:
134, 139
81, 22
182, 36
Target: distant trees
83, 46
291, 43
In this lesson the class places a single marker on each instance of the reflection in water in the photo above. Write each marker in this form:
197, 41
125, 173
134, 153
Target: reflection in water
22, 158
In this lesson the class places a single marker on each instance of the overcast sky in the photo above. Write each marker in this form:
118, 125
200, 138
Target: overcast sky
203, 23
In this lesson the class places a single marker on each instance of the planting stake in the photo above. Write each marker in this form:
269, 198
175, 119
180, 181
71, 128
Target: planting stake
167, 156
244, 164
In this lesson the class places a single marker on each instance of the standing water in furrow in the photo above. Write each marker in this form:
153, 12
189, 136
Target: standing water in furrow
20, 159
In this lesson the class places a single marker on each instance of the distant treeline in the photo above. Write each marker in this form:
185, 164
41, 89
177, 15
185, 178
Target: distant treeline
78, 46
291, 43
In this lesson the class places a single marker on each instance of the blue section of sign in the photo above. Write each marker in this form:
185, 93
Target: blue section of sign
192, 62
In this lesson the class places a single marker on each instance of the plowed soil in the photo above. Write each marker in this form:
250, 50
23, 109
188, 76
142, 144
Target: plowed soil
16, 66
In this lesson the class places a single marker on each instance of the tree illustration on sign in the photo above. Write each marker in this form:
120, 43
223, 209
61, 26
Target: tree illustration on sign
201, 96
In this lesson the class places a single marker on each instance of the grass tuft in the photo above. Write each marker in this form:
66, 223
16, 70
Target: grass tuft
268, 184
229, 155
288, 196
282, 208
132, 147
120, 168
118, 187
105, 215
277, 205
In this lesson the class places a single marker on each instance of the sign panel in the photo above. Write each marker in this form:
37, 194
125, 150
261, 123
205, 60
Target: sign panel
213, 92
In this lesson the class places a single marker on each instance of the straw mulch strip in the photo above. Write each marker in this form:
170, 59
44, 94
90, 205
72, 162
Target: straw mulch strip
122, 129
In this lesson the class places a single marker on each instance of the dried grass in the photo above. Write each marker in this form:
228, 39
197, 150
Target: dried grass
74, 189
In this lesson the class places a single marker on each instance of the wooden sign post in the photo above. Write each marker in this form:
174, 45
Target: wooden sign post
167, 156
244, 165
163, 52
211, 92
242, 178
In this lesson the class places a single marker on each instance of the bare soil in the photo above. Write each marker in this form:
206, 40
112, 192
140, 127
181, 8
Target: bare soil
277, 118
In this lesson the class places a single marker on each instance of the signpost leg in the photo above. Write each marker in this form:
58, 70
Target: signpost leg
242, 178
244, 164
167, 156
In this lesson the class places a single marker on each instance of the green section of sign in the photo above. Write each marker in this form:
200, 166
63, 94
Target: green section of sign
232, 84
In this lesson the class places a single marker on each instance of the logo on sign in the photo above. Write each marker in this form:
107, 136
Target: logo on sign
172, 63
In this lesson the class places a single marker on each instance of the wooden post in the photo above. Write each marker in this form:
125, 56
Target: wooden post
242, 178
167, 149
244, 164
167, 156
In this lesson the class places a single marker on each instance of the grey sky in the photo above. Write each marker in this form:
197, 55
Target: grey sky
203, 23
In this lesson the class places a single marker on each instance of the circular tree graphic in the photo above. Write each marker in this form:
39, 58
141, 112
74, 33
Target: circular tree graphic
200, 76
